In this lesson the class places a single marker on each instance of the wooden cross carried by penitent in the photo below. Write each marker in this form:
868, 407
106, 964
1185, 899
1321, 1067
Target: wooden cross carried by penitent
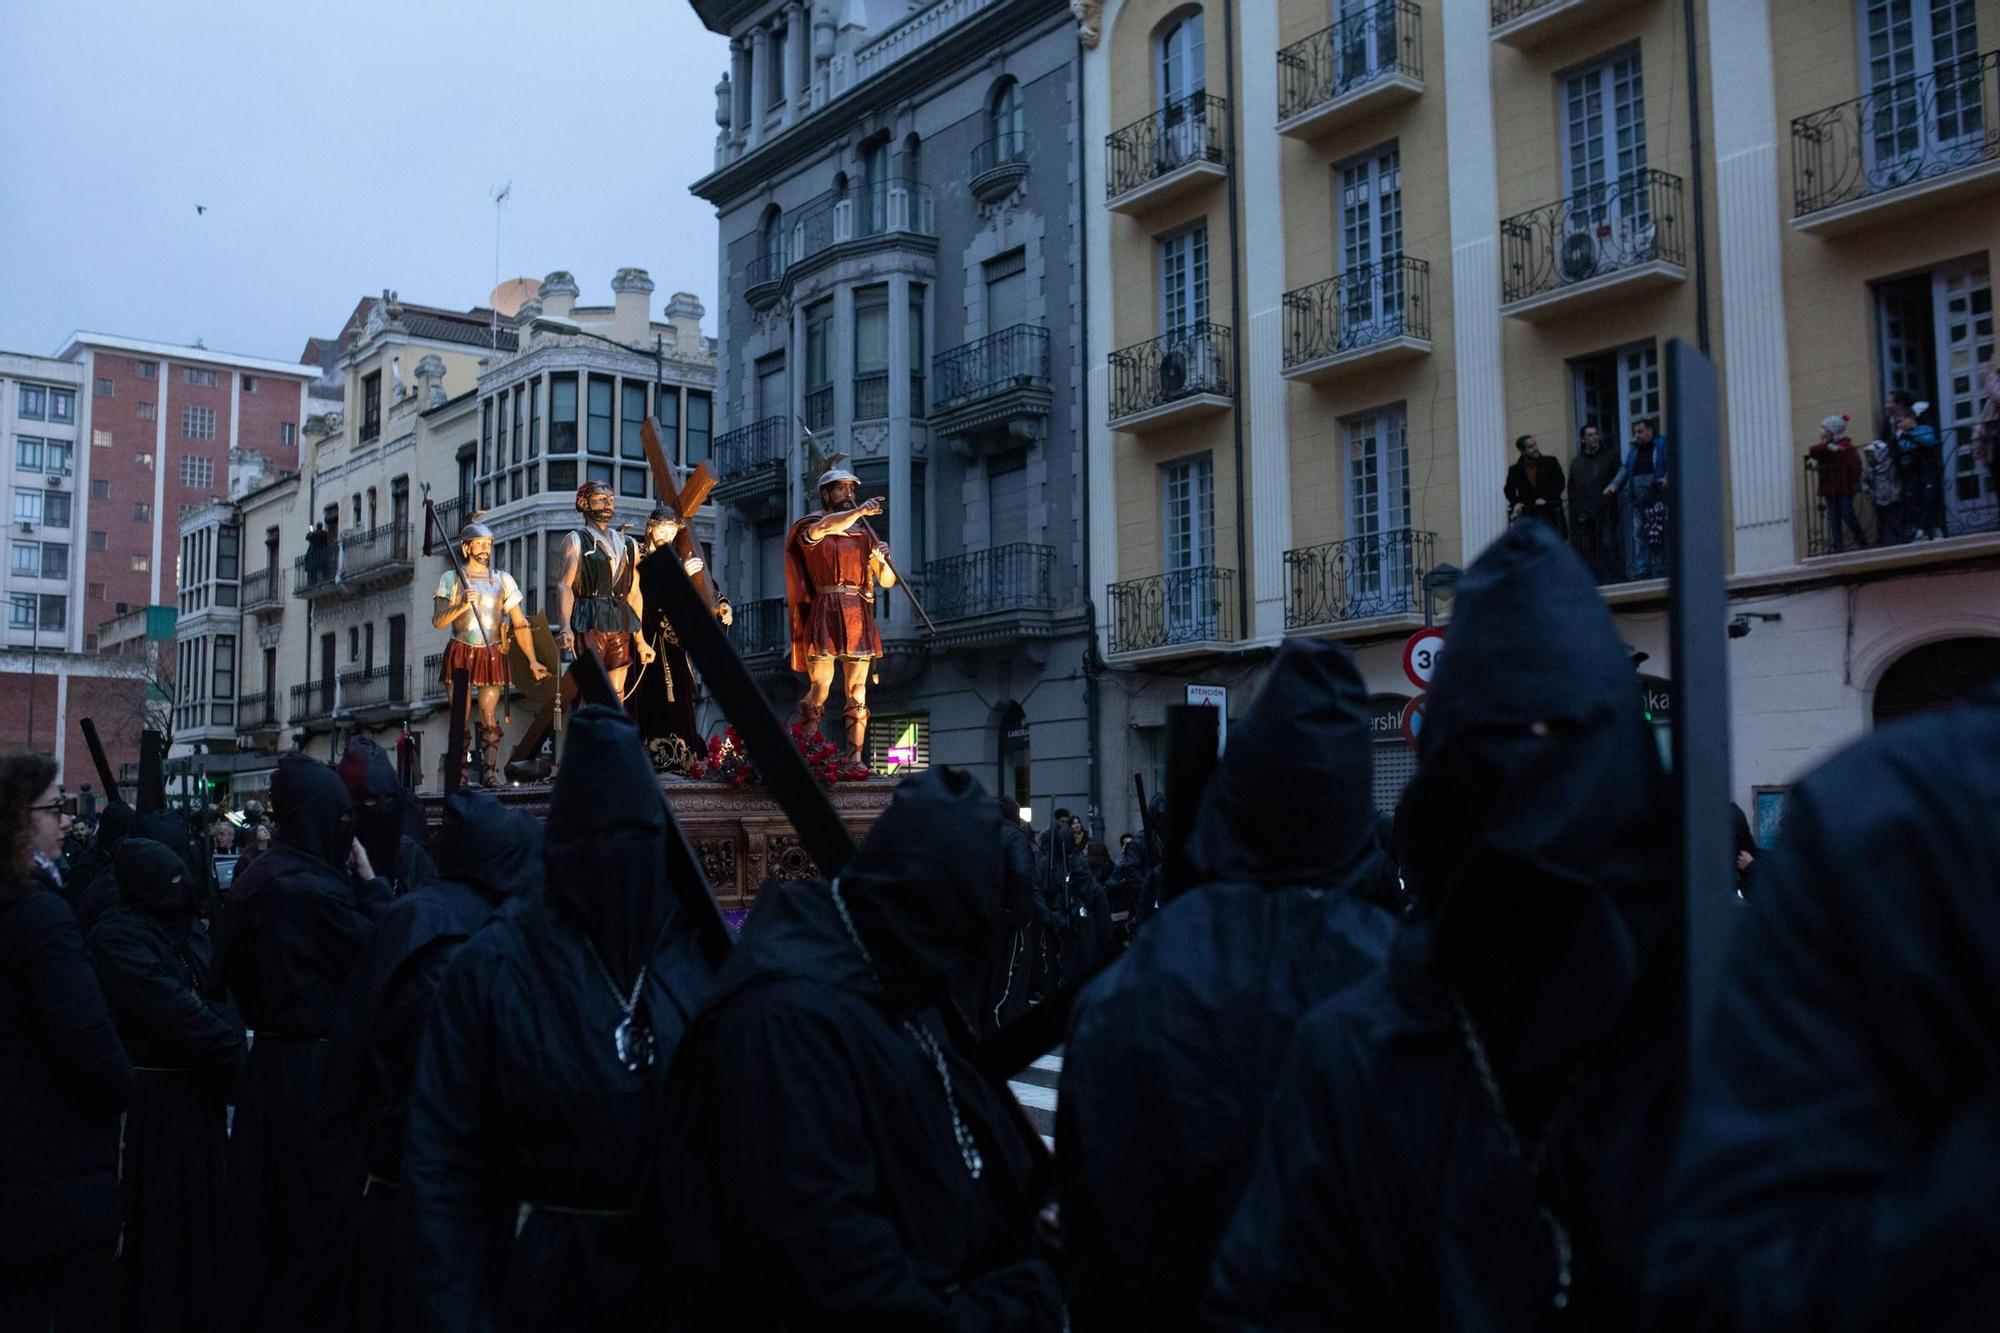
685, 500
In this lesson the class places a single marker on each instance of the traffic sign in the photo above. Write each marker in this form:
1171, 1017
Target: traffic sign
1413, 720
1420, 656
1216, 697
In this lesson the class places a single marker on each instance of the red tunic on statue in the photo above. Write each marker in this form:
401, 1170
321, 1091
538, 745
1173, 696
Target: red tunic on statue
830, 593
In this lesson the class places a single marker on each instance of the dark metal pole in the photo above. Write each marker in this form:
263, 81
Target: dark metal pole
1695, 179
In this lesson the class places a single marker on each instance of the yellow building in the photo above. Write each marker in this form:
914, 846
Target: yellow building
1342, 259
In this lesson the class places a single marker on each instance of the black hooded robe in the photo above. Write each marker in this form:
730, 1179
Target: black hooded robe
114, 822
387, 819
1173, 1053
1839, 1166
662, 700
1536, 842
289, 934
810, 1175
530, 1141
185, 1053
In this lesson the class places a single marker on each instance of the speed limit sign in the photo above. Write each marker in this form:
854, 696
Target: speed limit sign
1420, 656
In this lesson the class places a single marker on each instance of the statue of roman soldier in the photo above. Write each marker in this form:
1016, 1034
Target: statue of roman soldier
833, 562
483, 611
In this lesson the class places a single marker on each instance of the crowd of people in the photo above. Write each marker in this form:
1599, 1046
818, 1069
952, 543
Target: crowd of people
1612, 506
1428, 1073
1903, 475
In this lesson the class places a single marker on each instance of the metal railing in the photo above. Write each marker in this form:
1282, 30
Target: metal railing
433, 685
1942, 491
1194, 129
1186, 606
1014, 358
768, 267
1002, 150
861, 210
1620, 224
819, 408
316, 570
1173, 366
376, 687
871, 395
761, 627
755, 445
1911, 130
257, 710
1377, 575
448, 512
1384, 39
260, 589
380, 547
1371, 304
1019, 576
1506, 11
312, 701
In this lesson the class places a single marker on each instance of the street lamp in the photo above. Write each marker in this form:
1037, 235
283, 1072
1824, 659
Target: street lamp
1440, 582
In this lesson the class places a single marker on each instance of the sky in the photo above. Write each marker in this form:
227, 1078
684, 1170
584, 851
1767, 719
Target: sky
339, 149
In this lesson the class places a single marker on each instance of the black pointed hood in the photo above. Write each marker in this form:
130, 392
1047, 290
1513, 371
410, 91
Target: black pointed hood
170, 830
925, 886
153, 878
1536, 838
485, 846
605, 848
114, 821
1292, 802
312, 809
380, 802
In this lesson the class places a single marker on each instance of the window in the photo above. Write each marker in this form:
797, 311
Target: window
1371, 240
1615, 390
562, 416
819, 366
62, 405
142, 460
34, 402
1378, 503
27, 506
1917, 130
142, 563
228, 551
774, 245
700, 425
101, 438
1006, 291
1191, 601
1182, 69
486, 436
100, 490
534, 418
468, 476
147, 412
198, 423
224, 665
288, 432
21, 611
598, 438
500, 431
202, 379
631, 420
197, 472
871, 355
59, 456
55, 560
1184, 278
104, 387
249, 384
55, 611
25, 558
99, 540
1008, 121
917, 350
353, 643
146, 370
55, 509
94, 591
774, 68
371, 405
142, 513
28, 454
1604, 144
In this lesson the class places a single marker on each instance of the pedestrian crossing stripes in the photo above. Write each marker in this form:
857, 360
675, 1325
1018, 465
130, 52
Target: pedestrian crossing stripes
1035, 1088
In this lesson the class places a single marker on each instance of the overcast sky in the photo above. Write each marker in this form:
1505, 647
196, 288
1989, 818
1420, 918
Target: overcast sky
340, 149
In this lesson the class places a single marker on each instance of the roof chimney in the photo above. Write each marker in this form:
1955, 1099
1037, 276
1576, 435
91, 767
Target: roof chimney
558, 294
631, 308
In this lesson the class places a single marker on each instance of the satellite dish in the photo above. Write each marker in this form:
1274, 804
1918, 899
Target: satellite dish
511, 295
1579, 256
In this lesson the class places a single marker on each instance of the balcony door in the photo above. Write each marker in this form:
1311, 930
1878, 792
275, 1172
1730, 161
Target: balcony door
1371, 247
1186, 362
774, 392
1190, 595
1920, 102
1935, 336
1006, 291
1378, 508
1367, 35
1616, 390
1604, 153
1181, 75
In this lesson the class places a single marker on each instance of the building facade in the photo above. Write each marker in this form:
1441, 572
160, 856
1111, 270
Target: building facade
1342, 259
900, 256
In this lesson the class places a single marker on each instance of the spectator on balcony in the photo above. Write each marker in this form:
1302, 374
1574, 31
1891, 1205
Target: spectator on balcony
1593, 515
1986, 438
1920, 464
1534, 485
1641, 488
1885, 491
1837, 464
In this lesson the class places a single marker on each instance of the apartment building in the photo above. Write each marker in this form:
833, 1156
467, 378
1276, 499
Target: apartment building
896, 188
1342, 258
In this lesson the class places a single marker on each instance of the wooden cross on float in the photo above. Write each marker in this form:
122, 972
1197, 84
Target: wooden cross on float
686, 500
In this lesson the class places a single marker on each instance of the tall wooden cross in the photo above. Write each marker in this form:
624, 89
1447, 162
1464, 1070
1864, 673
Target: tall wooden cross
685, 500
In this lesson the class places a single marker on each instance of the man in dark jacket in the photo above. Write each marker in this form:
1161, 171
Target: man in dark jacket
1470, 1138
290, 930
486, 856
1534, 487
113, 822
387, 819
831, 1159
1593, 516
1173, 1052
185, 1053
540, 1072
1841, 1154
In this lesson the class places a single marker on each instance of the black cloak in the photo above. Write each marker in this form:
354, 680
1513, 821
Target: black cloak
662, 700
530, 1140
810, 1176
1002, 995
387, 819
184, 1054
1536, 841
1173, 1052
114, 822
290, 931
1840, 1160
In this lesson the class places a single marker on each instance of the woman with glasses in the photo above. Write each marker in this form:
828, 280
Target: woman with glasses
64, 1077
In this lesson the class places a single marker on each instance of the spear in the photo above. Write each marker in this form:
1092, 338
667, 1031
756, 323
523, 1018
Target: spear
901, 582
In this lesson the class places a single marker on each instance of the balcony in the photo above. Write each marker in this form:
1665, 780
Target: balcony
258, 713
761, 631
1175, 377
380, 555
1189, 610
819, 408
1608, 242
1524, 24
262, 593
432, 689
449, 513
999, 595
1944, 493
312, 703
1905, 148
1370, 60
764, 278
1366, 318
871, 395
998, 166
1361, 578
999, 382
1181, 147
843, 220
376, 694
316, 573
750, 460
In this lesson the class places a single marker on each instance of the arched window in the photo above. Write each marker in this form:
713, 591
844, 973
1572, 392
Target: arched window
774, 241
1182, 66
1934, 676
1006, 115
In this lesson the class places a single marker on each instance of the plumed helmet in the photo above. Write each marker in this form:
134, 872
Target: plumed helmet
586, 491
837, 470
473, 531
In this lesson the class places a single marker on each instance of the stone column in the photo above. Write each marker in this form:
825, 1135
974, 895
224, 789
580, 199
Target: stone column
759, 82
739, 60
798, 62
901, 500
795, 385
841, 344
1475, 279
1265, 392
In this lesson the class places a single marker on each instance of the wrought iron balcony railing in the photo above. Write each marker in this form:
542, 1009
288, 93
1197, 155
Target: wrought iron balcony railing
316, 571
375, 551
1014, 358
761, 627
312, 701
1377, 575
1019, 576
376, 687
433, 687
1371, 304
819, 408
1186, 606
871, 395
1177, 365
767, 267
1370, 44
451, 513
1002, 150
862, 210
1912, 130
261, 590
1606, 228
1946, 491
1506, 11
758, 444
254, 711
1194, 129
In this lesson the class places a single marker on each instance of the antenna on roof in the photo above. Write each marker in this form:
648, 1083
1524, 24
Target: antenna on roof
500, 195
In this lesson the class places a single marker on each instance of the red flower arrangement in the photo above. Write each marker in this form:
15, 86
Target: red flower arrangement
728, 763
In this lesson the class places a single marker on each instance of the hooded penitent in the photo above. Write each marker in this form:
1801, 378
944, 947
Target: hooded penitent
153, 878
1199, 1012
114, 821
831, 1160
1532, 997
386, 818
314, 813
605, 850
